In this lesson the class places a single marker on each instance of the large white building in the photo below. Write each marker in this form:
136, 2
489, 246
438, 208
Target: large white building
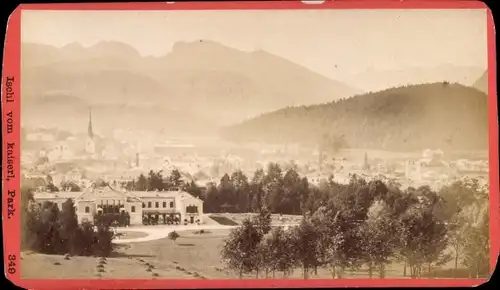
157, 204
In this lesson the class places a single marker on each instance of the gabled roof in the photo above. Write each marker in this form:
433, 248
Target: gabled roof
106, 192
152, 194
53, 195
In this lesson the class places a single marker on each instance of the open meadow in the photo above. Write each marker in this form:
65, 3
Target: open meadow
194, 255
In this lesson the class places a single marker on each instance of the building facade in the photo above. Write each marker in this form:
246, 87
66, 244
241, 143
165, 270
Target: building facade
141, 206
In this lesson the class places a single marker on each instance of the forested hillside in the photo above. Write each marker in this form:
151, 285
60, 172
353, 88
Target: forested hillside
438, 115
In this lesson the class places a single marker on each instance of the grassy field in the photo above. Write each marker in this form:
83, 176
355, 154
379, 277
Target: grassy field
275, 218
131, 235
192, 256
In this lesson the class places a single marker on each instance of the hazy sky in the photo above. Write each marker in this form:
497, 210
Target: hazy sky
332, 42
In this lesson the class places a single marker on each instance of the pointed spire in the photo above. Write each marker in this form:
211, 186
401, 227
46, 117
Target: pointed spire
90, 132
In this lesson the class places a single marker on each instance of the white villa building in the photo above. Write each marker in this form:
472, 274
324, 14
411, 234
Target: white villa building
159, 204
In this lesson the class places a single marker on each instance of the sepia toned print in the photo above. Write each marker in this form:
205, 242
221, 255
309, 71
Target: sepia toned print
305, 144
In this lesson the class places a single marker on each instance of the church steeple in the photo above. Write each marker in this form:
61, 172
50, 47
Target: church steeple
90, 143
90, 132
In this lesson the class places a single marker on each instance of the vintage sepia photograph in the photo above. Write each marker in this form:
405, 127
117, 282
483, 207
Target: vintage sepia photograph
254, 144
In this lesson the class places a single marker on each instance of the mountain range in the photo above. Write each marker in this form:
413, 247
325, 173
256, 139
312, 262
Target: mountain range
204, 82
200, 86
436, 116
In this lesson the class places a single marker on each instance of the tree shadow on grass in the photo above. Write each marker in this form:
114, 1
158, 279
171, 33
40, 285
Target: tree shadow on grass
186, 245
125, 255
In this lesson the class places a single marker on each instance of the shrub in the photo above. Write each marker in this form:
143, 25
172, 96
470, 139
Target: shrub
173, 236
51, 231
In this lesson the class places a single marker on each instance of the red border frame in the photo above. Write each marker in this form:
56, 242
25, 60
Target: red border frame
12, 68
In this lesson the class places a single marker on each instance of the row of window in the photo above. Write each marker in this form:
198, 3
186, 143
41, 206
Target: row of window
132, 208
157, 204
87, 209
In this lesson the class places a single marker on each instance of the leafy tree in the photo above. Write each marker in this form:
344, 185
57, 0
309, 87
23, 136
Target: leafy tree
461, 198
263, 221
193, 189
263, 260
273, 187
175, 178
295, 191
423, 237
241, 190
305, 244
477, 241
457, 196
155, 181
256, 190
212, 201
378, 239
26, 199
173, 235
226, 194
51, 231
456, 238
280, 251
239, 250
338, 244
142, 183
43, 228
103, 245
69, 225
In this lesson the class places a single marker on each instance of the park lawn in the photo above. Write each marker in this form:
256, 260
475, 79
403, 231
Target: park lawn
192, 256
195, 253
131, 235
240, 217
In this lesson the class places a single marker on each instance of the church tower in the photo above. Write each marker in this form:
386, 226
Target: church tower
90, 143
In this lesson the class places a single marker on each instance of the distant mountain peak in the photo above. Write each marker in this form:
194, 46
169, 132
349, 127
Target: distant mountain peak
202, 46
113, 48
73, 45
200, 76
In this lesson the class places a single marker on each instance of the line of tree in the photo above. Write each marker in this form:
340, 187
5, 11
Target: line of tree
47, 184
155, 180
283, 192
46, 229
372, 224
